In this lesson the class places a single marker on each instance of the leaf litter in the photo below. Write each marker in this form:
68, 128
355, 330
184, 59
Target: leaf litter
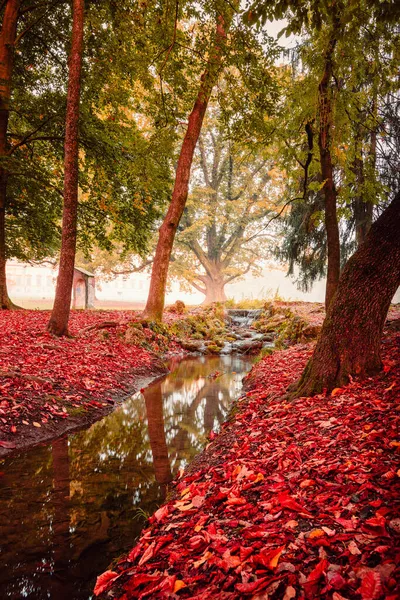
294, 499
44, 380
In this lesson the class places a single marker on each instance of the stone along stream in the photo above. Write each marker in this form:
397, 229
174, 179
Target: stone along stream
70, 507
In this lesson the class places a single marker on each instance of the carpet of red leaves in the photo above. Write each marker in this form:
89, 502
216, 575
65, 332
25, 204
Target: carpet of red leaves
294, 499
45, 379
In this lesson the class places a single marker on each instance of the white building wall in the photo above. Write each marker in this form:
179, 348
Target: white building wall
37, 283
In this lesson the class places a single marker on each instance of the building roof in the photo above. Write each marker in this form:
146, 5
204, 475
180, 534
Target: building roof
84, 271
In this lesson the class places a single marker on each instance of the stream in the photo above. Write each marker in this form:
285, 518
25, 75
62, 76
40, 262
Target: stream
68, 508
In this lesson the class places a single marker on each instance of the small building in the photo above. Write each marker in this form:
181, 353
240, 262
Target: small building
83, 289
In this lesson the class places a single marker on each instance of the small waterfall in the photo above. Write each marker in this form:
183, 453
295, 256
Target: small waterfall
243, 317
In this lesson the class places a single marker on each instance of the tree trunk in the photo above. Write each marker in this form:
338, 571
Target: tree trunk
350, 340
7, 41
325, 143
58, 324
155, 302
214, 289
362, 209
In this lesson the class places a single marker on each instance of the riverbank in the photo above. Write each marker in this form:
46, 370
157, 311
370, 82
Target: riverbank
292, 499
49, 386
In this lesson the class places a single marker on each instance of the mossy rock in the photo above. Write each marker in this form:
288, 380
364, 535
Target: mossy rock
197, 336
156, 327
213, 349
136, 336
177, 308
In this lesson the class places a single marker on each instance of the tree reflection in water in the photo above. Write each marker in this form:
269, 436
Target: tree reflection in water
68, 508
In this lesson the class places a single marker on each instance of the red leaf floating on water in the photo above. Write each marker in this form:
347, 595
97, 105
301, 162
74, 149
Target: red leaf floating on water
103, 581
371, 586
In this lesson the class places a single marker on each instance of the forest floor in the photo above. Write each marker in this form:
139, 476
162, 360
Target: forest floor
292, 499
51, 385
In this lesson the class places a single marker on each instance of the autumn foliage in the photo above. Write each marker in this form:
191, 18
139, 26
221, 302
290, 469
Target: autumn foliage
294, 499
44, 380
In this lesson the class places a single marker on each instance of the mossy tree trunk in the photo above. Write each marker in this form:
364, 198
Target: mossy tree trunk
58, 324
350, 341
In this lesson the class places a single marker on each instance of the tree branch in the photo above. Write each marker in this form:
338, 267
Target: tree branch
133, 269
29, 135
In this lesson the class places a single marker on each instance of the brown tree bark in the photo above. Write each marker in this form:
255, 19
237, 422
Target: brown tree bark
329, 189
214, 290
350, 340
7, 42
58, 324
155, 302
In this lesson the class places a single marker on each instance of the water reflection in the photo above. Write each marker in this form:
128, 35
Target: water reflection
68, 508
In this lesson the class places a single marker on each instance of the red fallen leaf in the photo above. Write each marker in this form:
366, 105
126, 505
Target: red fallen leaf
253, 586
138, 580
318, 571
346, 523
371, 586
375, 526
235, 501
5, 444
161, 513
287, 501
13, 429
104, 581
335, 580
166, 585
290, 593
245, 552
147, 554
197, 501
269, 559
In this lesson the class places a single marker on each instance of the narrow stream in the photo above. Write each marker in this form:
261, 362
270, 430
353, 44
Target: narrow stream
70, 507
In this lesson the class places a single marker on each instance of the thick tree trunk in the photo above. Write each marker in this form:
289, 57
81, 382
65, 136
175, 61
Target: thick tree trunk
350, 340
155, 302
58, 324
214, 289
7, 41
325, 143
